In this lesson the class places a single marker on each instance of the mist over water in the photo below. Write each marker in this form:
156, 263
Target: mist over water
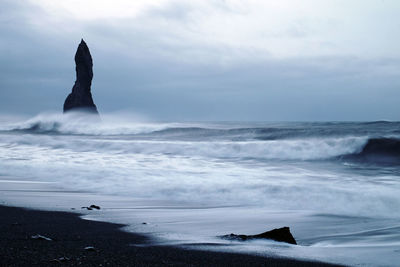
317, 178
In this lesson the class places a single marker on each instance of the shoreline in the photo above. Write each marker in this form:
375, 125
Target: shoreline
70, 235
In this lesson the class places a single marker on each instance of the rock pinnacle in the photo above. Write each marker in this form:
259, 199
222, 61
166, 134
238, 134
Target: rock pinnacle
80, 99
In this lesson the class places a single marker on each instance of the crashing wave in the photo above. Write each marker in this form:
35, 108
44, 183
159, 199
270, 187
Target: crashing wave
378, 150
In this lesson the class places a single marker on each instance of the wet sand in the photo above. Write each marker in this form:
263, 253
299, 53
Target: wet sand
70, 235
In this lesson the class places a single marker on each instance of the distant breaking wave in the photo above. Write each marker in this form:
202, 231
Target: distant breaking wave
75, 124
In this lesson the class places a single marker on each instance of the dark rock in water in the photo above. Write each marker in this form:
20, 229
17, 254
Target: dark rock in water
281, 235
91, 207
80, 99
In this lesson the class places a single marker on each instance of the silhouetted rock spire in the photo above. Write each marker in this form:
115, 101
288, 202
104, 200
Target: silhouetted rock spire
81, 98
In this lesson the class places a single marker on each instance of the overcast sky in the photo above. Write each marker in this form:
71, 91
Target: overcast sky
207, 59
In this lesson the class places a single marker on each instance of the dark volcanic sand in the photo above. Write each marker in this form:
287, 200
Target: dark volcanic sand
70, 235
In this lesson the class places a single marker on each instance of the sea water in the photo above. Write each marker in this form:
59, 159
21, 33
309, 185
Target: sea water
186, 184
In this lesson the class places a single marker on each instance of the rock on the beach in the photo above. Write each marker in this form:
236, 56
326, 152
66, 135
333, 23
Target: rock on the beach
281, 235
80, 99
92, 207
41, 237
60, 260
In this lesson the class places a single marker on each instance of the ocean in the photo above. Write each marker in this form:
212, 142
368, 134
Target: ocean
335, 184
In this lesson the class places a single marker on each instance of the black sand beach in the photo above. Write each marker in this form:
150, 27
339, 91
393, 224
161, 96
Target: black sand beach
70, 235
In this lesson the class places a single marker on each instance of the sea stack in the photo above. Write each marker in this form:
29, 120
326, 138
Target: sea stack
80, 99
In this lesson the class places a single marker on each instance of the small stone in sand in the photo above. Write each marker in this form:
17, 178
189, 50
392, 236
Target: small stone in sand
62, 259
90, 248
41, 237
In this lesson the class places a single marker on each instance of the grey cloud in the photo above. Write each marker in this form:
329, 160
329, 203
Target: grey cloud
149, 70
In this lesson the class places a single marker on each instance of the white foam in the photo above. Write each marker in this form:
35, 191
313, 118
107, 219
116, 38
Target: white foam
106, 166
